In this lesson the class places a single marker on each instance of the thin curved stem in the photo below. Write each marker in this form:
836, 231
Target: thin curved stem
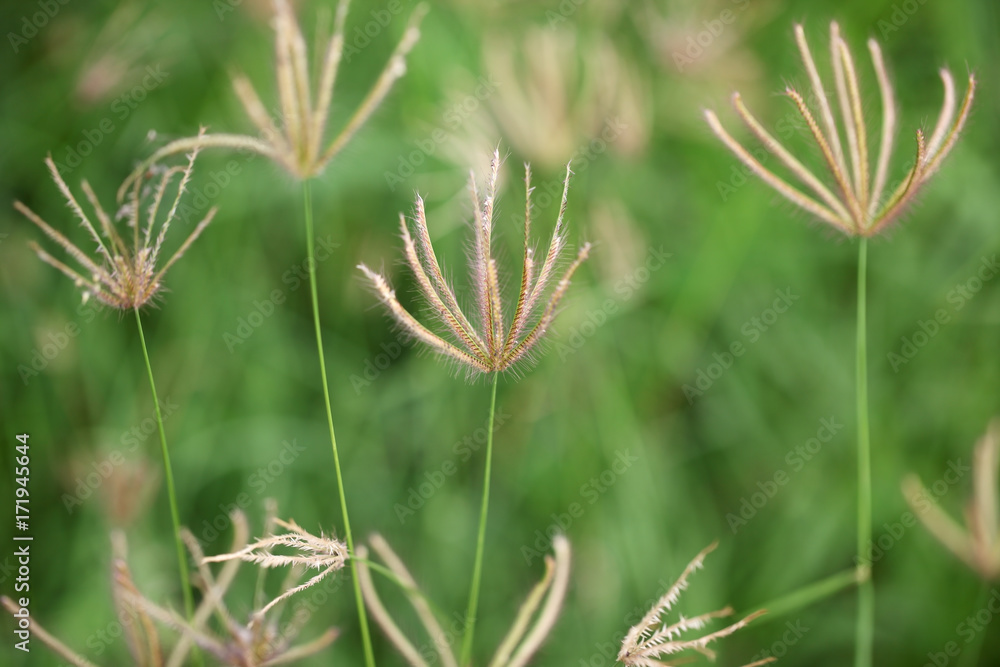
169, 475
366, 639
865, 630
808, 595
477, 570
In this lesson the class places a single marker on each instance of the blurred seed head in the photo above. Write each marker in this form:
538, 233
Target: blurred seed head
260, 641
858, 203
497, 341
122, 276
128, 491
620, 238
543, 604
556, 90
119, 54
653, 638
297, 142
696, 62
978, 543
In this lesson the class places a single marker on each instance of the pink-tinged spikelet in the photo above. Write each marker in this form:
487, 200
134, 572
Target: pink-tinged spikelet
496, 341
121, 276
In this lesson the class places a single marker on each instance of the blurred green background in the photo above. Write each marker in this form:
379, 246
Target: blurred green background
541, 80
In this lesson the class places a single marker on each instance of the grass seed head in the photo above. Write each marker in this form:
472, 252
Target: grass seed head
493, 340
123, 275
298, 143
852, 199
653, 637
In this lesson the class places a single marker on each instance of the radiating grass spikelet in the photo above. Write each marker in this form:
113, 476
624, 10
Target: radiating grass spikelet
653, 638
312, 552
299, 144
856, 202
260, 642
494, 340
123, 275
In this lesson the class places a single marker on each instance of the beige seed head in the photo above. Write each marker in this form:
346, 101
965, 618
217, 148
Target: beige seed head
855, 202
496, 340
298, 142
653, 638
262, 640
123, 276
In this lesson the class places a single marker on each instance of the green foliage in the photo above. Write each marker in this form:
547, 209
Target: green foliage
637, 327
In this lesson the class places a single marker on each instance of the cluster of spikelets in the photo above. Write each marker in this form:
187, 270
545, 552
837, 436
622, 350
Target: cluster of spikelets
127, 276
522, 640
857, 204
262, 640
494, 341
978, 545
298, 144
123, 276
653, 638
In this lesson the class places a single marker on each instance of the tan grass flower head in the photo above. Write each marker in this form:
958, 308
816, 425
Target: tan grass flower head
857, 203
121, 276
259, 642
522, 640
978, 544
325, 554
557, 88
652, 637
497, 341
263, 639
298, 145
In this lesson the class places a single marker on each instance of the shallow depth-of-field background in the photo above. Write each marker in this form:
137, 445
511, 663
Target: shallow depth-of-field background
688, 253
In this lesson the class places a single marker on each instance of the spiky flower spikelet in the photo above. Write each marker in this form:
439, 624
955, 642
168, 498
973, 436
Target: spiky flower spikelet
978, 545
121, 276
298, 145
263, 639
496, 341
856, 204
311, 552
653, 638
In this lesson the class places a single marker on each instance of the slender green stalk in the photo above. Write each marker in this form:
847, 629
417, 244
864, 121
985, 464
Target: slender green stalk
403, 586
366, 639
971, 654
169, 474
865, 630
808, 595
477, 570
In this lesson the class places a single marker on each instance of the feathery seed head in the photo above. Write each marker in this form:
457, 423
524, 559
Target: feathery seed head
559, 88
298, 144
857, 203
977, 545
495, 341
652, 637
259, 642
121, 276
309, 551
